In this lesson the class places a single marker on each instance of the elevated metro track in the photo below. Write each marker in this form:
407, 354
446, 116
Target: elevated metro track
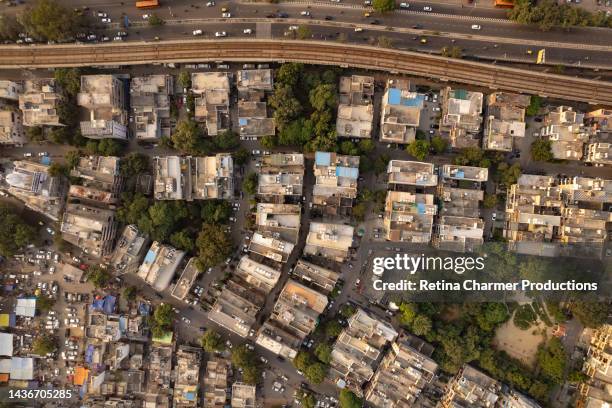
310, 52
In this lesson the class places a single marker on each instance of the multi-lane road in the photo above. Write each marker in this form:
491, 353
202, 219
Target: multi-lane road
448, 24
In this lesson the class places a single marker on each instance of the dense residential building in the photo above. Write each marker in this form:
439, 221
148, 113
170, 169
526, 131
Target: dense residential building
104, 98
10, 90
159, 375
281, 220
404, 372
411, 173
471, 388
129, 251
599, 153
281, 176
460, 225
243, 295
187, 381
550, 217
253, 120
188, 276
596, 391
599, 126
160, 264
11, 127
294, 316
355, 110
331, 241
409, 217
215, 382
357, 350
564, 128
194, 178
212, 90
335, 187
400, 112
266, 245
39, 103
461, 117
243, 396
100, 173
90, 228
31, 183
253, 81
150, 104
322, 279
505, 120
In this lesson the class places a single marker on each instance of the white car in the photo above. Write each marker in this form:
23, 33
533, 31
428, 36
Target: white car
404, 5
186, 320
101, 14
226, 15
210, 4
197, 32
117, 38
305, 13
476, 27
427, 8
493, 216
358, 29
220, 34
247, 31
293, 28
145, 16
28, 154
106, 20
41, 154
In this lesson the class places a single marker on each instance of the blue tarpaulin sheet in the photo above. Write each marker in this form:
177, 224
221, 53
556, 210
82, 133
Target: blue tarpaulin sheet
323, 158
150, 257
421, 208
351, 172
242, 121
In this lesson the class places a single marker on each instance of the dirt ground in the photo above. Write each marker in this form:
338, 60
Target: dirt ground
520, 344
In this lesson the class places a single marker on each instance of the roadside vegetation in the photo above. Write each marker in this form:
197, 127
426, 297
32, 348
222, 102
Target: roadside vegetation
548, 14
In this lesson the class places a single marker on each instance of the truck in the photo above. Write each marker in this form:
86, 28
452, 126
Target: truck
147, 4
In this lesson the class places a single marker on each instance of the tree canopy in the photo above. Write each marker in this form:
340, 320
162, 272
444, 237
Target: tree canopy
163, 318
44, 344
211, 341
383, 5
15, 234
49, 21
348, 399
213, 245
541, 150
419, 149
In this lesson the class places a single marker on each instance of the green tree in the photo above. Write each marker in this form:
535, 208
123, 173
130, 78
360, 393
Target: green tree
213, 245
472, 156
44, 303
534, 105
286, 106
421, 325
15, 234
323, 352
306, 399
187, 137
163, 317
303, 32
69, 80
129, 292
315, 373
552, 360
347, 311
249, 185
243, 357
241, 156
508, 175
290, 74
383, 5
155, 20
216, 211
302, 361
184, 79
451, 52
182, 240
134, 164
349, 148
381, 163
226, 140
419, 149
134, 207
490, 201
323, 97
358, 211
407, 313
385, 42
439, 144
541, 150
333, 328
211, 341
591, 314
44, 344
98, 276
35, 133
366, 146
49, 21
72, 159
9, 27
349, 400
57, 170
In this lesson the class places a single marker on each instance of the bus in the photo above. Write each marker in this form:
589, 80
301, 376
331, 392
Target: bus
147, 4
504, 4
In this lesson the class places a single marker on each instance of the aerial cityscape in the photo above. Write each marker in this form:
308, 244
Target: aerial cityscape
317, 204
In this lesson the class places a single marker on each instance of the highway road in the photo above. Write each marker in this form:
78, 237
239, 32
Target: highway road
498, 39
313, 52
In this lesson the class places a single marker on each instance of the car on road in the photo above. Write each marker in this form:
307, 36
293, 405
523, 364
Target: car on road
220, 34
493, 216
122, 33
106, 20
197, 32
210, 4
476, 27
404, 5
427, 8
367, 3
529, 52
50, 231
423, 40
358, 29
101, 14
42, 154
256, 152
185, 320
367, 14
226, 15
145, 16
117, 38
247, 31
293, 28
105, 39
263, 359
305, 13
329, 18
27, 154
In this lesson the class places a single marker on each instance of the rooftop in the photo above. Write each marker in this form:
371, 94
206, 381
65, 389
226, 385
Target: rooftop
187, 279
412, 173
329, 240
160, 264
409, 217
129, 251
39, 103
